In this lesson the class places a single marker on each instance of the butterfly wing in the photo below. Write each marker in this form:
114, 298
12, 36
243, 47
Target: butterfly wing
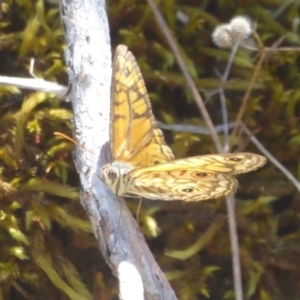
138, 145
192, 179
134, 136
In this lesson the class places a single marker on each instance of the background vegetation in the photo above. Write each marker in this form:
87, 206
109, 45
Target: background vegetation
47, 247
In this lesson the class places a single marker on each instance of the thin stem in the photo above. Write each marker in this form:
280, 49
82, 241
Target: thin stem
225, 119
230, 201
221, 92
230, 61
247, 94
192, 128
271, 158
236, 263
173, 45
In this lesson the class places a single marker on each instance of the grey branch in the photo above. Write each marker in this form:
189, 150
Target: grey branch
88, 58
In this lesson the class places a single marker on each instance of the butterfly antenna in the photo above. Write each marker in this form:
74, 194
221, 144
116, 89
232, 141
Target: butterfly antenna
72, 140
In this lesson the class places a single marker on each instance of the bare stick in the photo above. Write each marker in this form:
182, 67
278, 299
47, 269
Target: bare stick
236, 263
190, 82
207, 119
248, 91
271, 158
36, 84
273, 50
192, 128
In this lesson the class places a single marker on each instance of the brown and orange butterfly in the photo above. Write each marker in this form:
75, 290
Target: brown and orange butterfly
143, 164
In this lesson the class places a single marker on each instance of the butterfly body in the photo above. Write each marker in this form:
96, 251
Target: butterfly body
115, 176
142, 164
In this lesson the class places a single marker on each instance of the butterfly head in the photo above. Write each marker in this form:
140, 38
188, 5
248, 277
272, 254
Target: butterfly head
114, 176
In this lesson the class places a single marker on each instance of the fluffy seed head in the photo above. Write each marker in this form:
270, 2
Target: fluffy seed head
241, 28
222, 37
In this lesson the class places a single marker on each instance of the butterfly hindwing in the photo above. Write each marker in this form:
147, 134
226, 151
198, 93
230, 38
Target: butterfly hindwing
193, 179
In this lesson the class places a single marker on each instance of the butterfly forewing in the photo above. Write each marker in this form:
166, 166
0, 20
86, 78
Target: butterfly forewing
129, 107
134, 136
231, 164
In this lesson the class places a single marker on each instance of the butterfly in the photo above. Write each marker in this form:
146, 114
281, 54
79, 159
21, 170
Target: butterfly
143, 165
